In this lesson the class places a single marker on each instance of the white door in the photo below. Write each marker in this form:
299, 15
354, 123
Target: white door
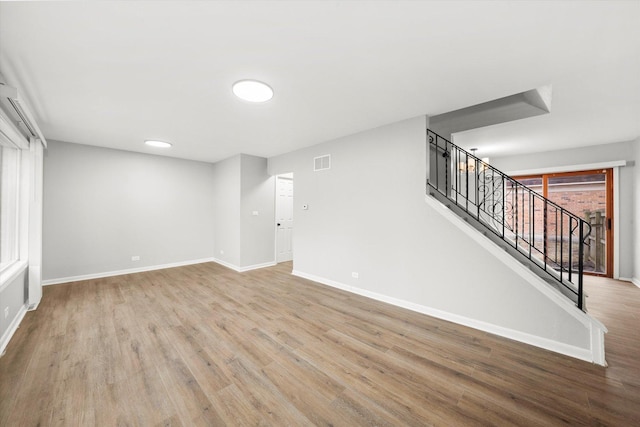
284, 219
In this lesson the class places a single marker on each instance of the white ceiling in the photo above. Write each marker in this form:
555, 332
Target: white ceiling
116, 73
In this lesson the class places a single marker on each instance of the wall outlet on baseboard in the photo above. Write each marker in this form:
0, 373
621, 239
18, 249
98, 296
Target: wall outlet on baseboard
355, 274
135, 258
6, 312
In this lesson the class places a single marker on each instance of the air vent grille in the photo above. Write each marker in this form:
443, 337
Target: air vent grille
322, 163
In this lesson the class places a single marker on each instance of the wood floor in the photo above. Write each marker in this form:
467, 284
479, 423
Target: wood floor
203, 345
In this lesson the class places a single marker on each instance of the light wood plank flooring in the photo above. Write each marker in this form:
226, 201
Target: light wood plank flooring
203, 345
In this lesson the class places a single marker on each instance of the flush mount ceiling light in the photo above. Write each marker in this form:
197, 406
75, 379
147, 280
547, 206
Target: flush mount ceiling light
252, 91
157, 144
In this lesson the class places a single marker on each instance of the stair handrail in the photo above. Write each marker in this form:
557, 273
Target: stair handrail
449, 150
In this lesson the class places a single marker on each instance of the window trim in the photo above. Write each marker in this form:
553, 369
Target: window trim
11, 272
10, 136
12, 139
16, 189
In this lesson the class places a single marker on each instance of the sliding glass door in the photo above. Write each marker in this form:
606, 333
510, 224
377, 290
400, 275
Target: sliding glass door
588, 194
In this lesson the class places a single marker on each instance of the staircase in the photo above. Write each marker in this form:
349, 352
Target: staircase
545, 237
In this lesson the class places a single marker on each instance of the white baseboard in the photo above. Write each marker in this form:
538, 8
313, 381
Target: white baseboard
634, 280
227, 264
516, 266
121, 272
502, 255
243, 269
13, 327
594, 355
257, 266
153, 267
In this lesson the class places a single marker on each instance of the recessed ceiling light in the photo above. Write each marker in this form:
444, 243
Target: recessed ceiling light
157, 144
252, 91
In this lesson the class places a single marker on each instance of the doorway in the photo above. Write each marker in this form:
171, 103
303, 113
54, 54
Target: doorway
284, 217
589, 195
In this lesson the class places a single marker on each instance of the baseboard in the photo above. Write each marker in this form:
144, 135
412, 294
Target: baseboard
592, 356
243, 269
151, 268
516, 266
122, 272
257, 266
13, 327
633, 280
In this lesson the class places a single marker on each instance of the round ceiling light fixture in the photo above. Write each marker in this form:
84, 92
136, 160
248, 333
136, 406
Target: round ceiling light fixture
252, 91
157, 144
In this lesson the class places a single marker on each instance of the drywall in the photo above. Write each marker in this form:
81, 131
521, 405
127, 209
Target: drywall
103, 206
584, 156
635, 215
367, 215
241, 188
12, 297
257, 212
226, 217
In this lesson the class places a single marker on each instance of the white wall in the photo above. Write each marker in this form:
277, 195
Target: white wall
103, 206
591, 155
367, 214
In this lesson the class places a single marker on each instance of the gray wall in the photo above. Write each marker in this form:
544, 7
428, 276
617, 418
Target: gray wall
14, 296
257, 195
242, 186
590, 155
226, 216
635, 217
368, 214
103, 206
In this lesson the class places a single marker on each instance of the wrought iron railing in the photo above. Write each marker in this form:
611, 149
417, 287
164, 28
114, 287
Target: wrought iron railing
544, 232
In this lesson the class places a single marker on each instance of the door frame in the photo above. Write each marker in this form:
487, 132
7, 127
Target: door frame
609, 213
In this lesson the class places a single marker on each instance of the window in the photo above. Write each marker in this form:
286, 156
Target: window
9, 201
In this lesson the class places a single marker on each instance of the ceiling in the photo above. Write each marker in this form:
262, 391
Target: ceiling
113, 74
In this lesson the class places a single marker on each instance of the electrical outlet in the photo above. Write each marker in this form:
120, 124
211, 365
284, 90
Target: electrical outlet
221, 252
135, 258
355, 275
6, 312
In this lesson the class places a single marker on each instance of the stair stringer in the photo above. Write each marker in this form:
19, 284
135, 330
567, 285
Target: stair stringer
567, 288
595, 353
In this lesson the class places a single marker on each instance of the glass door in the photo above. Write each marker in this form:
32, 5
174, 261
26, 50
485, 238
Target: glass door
588, 194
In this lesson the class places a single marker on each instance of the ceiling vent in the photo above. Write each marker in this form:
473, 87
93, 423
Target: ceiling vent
322, 163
